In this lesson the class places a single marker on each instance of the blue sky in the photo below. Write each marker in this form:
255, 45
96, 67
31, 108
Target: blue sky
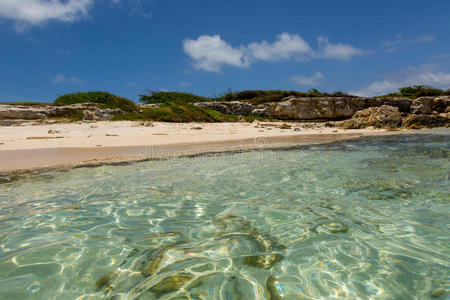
49, 48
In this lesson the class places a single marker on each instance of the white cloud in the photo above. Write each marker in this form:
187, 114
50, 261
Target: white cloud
426, 38
33, 12
60, 78
211, 53
337, 51
393, 45
412, 77
308, 80
285, 47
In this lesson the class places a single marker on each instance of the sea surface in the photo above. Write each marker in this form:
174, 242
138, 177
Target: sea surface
360, 219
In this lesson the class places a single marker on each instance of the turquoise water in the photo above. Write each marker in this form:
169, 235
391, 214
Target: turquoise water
362, 219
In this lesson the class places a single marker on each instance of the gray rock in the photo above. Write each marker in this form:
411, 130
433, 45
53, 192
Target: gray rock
228, 107
88, 115
51, 131
147, 124
101, 114
422, 105
285, 126
150, 105
255, 123
22, 112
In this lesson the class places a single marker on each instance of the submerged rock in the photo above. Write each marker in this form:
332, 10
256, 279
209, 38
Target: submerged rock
236, 288
152, 261
104, 282
438, 293
274, 289
266, 261
331, 227
241, 228
171, 284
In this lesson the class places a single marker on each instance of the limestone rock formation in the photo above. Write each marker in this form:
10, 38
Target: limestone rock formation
230, 107
384, 116
417, 121
22, 112
101, 114
299, 108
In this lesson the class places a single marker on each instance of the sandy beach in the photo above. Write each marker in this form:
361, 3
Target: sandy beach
71, 144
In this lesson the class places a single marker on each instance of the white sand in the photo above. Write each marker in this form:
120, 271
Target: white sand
116, 134
29, 146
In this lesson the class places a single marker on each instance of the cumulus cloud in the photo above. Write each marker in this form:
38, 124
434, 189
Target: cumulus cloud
211, 53
413, 77
286, 46
308, 80
60, 78
337, 51
33, 12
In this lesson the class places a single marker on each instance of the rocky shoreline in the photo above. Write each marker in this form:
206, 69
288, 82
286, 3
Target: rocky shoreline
355, 112
359, 112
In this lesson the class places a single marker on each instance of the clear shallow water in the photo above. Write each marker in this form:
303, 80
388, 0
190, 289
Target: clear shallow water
364, 219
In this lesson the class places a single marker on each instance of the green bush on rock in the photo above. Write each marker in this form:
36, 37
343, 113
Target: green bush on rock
106, 100
165, 97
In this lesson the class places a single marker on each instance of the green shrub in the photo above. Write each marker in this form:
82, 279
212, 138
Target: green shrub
107, 100
177, 111
260, 96
418, 91
165, 97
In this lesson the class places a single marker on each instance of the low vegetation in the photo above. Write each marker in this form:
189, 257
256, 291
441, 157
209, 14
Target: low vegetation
166, 97
260, 96
177, 111
105, 99
417, 91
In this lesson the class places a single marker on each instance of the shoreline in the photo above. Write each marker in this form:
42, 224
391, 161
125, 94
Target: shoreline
42, 155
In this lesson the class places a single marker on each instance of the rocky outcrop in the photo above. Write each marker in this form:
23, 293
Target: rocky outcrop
101, 114
9, 113
384, 116
417, 121
360, 111
231, 107
331, 108
24, 113
297, 108
428, 105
